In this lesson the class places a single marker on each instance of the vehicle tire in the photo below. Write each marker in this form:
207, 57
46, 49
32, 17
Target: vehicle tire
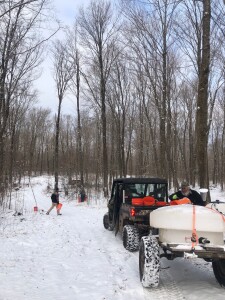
149, 261
219, 270
131, 238
106, 221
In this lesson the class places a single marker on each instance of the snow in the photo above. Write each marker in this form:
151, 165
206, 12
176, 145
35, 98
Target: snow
72, 257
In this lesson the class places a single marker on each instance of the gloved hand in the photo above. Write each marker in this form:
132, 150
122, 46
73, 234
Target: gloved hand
175, 197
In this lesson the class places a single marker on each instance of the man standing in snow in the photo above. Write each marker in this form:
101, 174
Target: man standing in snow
186, 191
55, 202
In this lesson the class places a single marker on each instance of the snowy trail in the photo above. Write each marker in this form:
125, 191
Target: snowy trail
65, 257
72, 257
69, 257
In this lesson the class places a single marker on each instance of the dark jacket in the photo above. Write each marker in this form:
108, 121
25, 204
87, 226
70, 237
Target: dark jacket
55, 198
194, 196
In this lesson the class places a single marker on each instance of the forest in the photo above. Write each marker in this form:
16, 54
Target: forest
148, 81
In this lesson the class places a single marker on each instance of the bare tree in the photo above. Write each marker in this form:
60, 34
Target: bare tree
75, 57
22, 101
63, 73
151, 38
202, 101
98, 36
20, 54
11, 5
121, 106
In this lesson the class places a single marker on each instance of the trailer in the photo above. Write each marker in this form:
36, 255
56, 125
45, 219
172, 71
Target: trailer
187, 231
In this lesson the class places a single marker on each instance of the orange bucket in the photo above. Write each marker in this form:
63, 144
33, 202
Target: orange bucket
161, 203
137, 201
181, 201
59, 206
149, 201
35, 208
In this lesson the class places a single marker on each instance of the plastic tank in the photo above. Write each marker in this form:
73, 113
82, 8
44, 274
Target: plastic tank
175, 223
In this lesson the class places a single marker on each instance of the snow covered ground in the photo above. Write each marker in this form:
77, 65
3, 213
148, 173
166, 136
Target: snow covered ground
72, 257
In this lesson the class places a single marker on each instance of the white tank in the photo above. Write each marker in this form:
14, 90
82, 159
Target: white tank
220, 207
175, 223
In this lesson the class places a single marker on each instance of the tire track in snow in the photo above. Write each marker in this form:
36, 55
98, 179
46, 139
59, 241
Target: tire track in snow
167, 289
203, 265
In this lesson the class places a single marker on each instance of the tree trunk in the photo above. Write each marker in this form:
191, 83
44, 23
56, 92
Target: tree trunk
56, 161
104, 127
80, 152
202, 101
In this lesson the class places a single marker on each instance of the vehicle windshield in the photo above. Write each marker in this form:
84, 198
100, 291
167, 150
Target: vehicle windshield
140, 190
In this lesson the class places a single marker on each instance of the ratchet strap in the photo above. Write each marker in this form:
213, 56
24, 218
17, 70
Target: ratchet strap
194, 237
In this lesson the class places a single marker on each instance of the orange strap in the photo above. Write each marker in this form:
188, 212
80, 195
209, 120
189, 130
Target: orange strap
194, 237
223, 217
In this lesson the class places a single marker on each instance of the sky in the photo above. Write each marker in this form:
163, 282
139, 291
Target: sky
72, 256
65, 12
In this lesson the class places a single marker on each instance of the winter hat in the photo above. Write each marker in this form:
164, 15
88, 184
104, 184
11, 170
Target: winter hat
184, 184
